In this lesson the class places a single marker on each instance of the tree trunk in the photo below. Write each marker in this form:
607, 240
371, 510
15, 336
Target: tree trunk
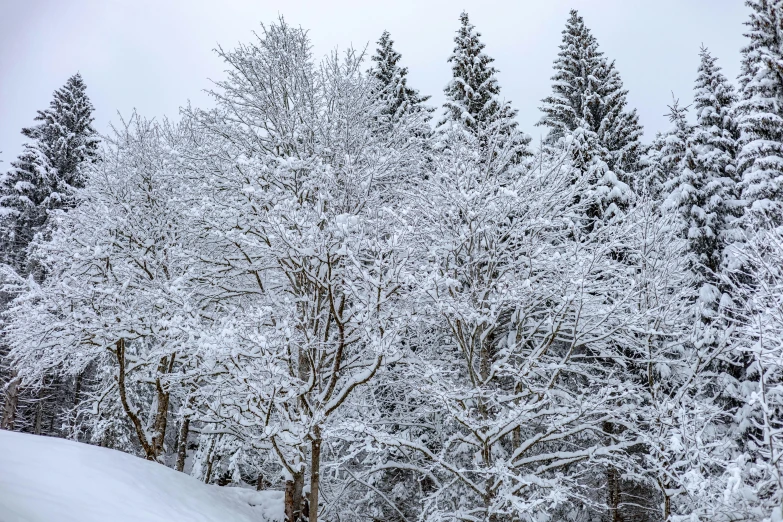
667, 501
612, 482
162, 414
293, 497
130, 411
260, 482
78, 389
613, 494
315, 474
11, 399
210, 460
39, 412
182, 449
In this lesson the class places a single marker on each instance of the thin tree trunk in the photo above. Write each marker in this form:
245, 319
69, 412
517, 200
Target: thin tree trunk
39, 412
11, 400
126, 406
78, 390
162, 414
612, 482
613, 493
182, 449
289, 501
293, 497
260, 482
667, 501
315, 474
210, 460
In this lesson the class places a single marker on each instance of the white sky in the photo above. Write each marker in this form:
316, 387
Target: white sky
155, 55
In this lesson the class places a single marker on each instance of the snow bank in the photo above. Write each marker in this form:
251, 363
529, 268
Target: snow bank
44, 479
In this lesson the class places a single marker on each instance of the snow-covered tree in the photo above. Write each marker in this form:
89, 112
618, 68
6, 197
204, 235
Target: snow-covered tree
44, 178
114, 298
754, 476
307, 248
588, 93
392, 81
473, 94
761, 108
702, 162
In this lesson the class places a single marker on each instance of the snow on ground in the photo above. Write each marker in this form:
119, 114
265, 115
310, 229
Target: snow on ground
44, 479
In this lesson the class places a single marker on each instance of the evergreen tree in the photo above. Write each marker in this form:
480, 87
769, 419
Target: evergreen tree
49, 169
393, 81
42, 179
472, 96
587, 92
703, 190
22, 195
761, 108
708, 188
668, 152
66, 137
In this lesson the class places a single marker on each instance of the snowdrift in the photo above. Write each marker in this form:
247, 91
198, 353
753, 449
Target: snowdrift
44, 479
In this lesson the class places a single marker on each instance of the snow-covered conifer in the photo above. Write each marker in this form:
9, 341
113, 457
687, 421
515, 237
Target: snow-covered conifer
587, 91
473, 94
42, 179
703, 187
761, 109
393, 81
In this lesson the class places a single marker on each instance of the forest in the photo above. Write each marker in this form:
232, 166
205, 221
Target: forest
391, 311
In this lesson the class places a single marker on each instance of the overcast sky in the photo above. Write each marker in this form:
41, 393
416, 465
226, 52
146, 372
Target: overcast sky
155, 55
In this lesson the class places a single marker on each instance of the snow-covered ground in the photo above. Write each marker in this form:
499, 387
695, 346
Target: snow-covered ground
44, 479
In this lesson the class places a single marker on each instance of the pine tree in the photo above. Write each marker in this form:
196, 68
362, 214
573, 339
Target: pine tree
761, 108
703, 189
66, 137
42, 179
22, 195
708, 192
588, 92
670, 150
393, 81
49, 169
472, 96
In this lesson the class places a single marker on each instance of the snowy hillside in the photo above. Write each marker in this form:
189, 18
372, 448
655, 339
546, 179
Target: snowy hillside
43, 479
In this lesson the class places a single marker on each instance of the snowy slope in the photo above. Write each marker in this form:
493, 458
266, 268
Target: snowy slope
53, 480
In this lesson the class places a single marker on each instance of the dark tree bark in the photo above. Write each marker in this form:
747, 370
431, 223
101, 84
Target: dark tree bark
182, 449
315, 475
293, 497
162, 414
11, 400
39, 409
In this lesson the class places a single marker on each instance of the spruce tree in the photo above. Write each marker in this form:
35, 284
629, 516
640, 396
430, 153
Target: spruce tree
708, 196
472, 96
667, 154
42, 179
66, 137
393, 81
761, 109
587, 92
23, 191
50, 168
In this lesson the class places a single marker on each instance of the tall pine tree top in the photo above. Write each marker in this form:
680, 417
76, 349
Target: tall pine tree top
761, 108
587, 92
65, 135
716, 131
472, 95
47, 171
393, 80
704, 172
